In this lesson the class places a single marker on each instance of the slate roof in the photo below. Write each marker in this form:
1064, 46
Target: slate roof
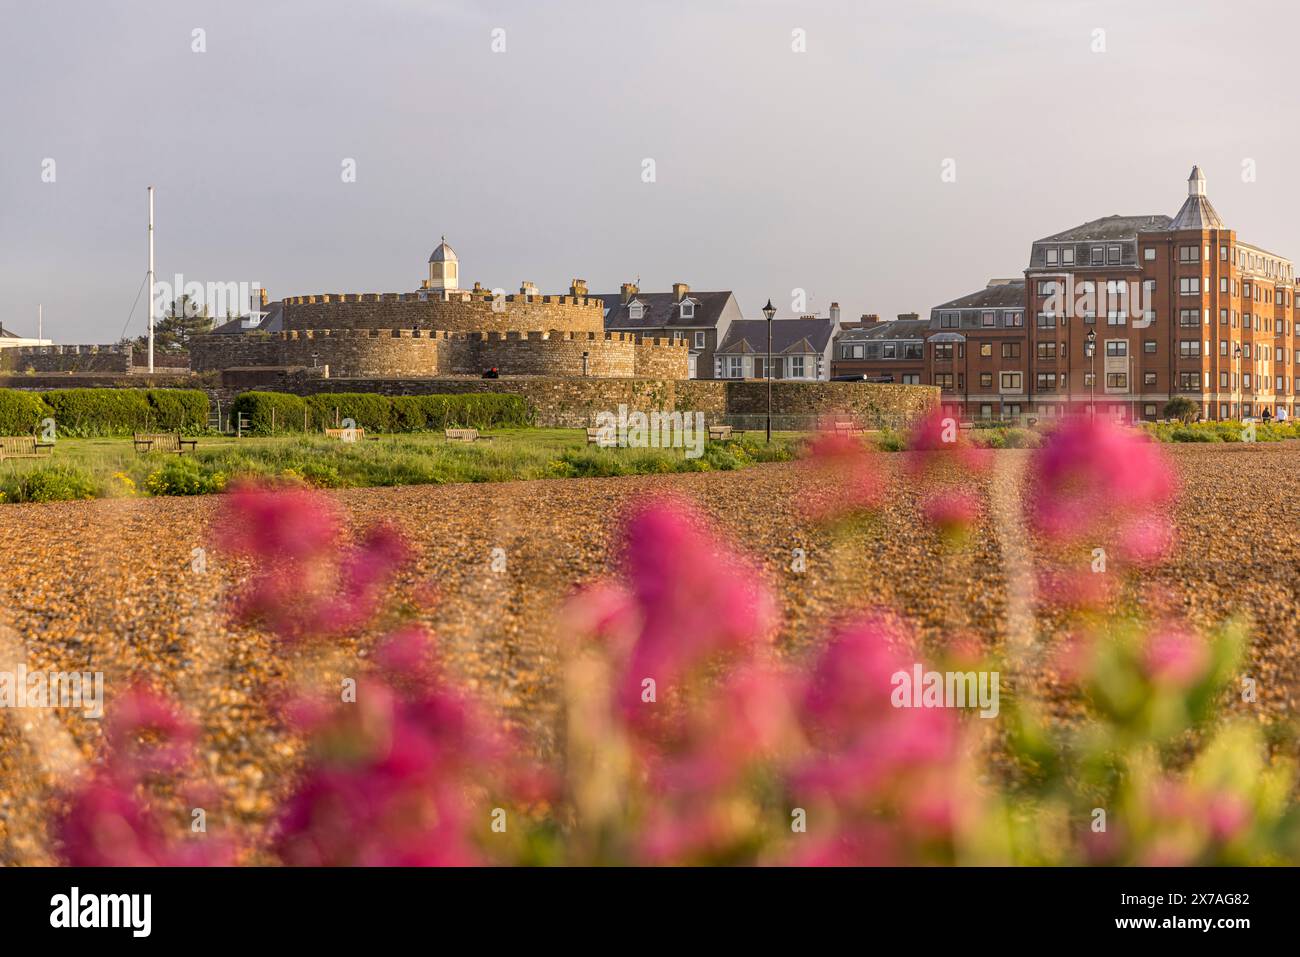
661, 310
793, 336
1004, 296
1110, 228
893, 329
273, 321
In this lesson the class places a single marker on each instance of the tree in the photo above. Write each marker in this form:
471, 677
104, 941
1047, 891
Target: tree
174, 330
1182, 408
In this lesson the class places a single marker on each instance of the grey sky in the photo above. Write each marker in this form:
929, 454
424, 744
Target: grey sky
775, 169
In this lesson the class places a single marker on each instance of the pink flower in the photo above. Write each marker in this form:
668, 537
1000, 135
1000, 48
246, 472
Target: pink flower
696, 601
936, 438
147, 734
1147, 539
1090, 472
1176, 657
845, 477
954, 513
304, 584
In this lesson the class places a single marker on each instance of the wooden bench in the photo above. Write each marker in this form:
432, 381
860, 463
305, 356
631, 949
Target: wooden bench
466, 435
350, 435
846, 428
719, 433
164, 442
594, 437
23, 447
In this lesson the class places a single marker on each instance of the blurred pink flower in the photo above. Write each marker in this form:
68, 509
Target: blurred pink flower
696, 601
304, 584
1090, 472
147, 734
845, 477
935, 439
1147, 539
953, 512
401, 778
1176, 657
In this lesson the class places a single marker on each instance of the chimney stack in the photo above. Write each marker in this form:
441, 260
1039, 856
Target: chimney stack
908, 315
628, 290
835, 314
578, 288
527, 288
680, 289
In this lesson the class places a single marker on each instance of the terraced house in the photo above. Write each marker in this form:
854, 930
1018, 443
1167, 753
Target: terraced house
701, 319
1121, 314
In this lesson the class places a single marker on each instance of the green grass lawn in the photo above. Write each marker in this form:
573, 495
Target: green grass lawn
107, 467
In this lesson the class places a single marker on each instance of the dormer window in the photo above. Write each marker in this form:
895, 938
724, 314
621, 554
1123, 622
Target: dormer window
688, 309
636, 310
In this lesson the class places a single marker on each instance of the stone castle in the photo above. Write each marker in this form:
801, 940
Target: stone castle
443, 330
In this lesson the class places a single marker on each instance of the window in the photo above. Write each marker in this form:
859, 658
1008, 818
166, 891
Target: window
688, 309
1011, 350
1189, 317
1149, 411
943, 379
636, 310
1189, 254
1189, 381
1149, 254
1148, 378
797, 367
986, 380
1245, 380
1067, 256
890, 350
699, 343
1098, 255
1116, 348
986, 411
1223, 317
1223, 380
1188, 348
1223, 285
1047, 350
1046, 381
1223, 347
950, 320
1149, 347
1051, 257
1014, 318
987, 320
986, 350
1117, 380
1223, 253
943, 352
1112, 255
1189, 286
1117, 317
911, 378
735, 367
1011, 381
1088, 379
1046, 320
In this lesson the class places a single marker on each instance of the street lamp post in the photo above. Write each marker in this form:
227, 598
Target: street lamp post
769, 312
1090, 348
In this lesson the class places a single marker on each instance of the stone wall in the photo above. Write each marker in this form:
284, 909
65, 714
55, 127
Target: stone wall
872, 404
574, 402
371, 353
459, 312
107, 359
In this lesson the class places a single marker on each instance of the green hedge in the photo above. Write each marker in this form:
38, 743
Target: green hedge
381, 413
21, 412
94, 412
268, 412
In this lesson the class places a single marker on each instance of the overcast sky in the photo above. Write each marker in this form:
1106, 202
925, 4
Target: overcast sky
774, 170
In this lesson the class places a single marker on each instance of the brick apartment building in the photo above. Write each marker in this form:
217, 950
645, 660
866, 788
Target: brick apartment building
883, 351
1120, 314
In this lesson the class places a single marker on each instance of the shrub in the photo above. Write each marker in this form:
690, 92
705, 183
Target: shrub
265, 409
21, 412
50, 483
179, 410
367, 410
1181, 407
184, 476
89, 412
